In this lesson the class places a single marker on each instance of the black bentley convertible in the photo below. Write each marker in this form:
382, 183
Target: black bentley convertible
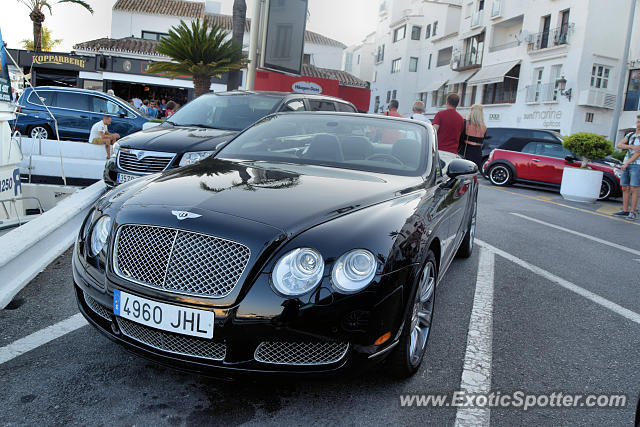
310, 243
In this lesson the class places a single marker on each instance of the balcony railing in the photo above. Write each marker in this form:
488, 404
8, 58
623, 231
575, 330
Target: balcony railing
504, 46
546, 39
546, 92
476, 19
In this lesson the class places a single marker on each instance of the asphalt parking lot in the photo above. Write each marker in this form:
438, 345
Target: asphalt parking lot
547, 303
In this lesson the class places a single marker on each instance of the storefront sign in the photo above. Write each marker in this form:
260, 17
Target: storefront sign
549, 118
307, 87
494, 117
59, 60
5, 83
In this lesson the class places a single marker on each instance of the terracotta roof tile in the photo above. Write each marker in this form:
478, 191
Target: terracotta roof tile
125, 45
183, 8
343, 77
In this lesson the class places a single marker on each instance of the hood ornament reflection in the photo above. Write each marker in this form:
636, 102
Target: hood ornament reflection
185, 215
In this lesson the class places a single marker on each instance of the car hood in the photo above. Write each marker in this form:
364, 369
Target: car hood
176, 139
288, 197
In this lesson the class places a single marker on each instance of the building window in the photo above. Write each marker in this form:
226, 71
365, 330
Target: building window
473, 51
376, 106
395, 65
632, 99
564, 27
588, 118
358, 59
413, 64
444, 56
481, 5
537, 84
380, 54
415, 32
430, 57
504, 92
151, 35
375, 76
395, 94
435, 28
427, 32
388, 96
400, 33
306, 58
544, 35
348, 62
556, 71
463, 95
600, 76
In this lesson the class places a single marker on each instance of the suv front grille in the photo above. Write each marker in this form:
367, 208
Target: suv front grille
179, 261
143, 162
173, 343
300, 353
97, 307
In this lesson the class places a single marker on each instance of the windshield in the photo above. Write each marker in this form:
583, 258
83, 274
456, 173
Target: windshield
365, 143
227, 112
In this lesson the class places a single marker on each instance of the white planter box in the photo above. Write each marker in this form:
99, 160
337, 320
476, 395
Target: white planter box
581, 185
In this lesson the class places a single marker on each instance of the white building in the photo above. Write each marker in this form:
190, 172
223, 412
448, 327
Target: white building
358, 59
509, 55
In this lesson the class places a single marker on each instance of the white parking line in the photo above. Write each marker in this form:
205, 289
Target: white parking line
41, 337
476, 374
586, 236
624, 312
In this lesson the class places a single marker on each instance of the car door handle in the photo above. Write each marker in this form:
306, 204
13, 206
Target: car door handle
84, 117
535, 160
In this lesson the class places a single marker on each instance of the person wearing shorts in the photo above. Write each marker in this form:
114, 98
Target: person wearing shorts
630, 179
100, 134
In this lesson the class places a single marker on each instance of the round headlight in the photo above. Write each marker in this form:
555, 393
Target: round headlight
353, 271
100, 234
298, 272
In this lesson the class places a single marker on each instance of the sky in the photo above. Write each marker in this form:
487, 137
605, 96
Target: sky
347, 21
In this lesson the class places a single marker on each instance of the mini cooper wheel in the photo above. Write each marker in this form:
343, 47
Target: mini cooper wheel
466, 247
39, 131
606, 189
408, 354
500, 175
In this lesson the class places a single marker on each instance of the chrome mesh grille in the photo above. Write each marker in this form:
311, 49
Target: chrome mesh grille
173, 343
94, 305
128, 161
179, 261
299, 353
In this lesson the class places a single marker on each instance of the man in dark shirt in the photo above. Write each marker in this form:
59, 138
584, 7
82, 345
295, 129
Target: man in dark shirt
449, 125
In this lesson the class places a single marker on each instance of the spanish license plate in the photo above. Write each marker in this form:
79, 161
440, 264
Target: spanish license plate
167, 317
123, 177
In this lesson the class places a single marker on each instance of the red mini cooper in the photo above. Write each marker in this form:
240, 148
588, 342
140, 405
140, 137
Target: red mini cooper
541, 162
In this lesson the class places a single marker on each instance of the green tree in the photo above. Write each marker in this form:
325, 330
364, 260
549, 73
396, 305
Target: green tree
200, 51
48, 43
37, 15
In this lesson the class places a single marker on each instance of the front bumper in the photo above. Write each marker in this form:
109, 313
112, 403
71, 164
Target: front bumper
353, 323
111, 171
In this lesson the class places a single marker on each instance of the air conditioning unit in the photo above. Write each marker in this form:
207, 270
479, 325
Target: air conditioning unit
529, 38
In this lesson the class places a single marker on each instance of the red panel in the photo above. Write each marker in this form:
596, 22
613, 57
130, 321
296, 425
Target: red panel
357, 96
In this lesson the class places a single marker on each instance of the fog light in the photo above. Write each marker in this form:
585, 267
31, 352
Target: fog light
383, 339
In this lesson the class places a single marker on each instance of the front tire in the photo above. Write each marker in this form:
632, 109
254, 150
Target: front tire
466, 247
606, 189
408, 354
500, 175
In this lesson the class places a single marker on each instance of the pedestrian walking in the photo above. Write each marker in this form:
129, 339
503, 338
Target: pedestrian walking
393, 109
171, 108
449, 125
418, 112
473, 135
144, 108
100, 134
630, 179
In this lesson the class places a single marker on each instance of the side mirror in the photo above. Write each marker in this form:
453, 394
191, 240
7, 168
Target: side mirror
460, 167
570, 159
122, 114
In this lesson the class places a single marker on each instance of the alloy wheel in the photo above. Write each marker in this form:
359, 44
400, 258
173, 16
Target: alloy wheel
499, 175
422, 314
605, 189
39, 132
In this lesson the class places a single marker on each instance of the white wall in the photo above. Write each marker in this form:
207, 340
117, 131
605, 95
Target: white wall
126, 24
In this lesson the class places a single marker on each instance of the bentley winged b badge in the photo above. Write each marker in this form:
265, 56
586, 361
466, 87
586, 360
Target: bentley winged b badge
185, 215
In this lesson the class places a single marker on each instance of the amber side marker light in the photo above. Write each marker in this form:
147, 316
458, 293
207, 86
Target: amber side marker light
383, 339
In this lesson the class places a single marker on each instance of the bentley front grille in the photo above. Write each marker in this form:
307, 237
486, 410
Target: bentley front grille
143, 162
179, 261
300, 353
94, 305
173, 343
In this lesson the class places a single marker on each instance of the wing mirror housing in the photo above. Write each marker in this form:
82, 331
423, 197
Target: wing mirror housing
570, 159
459, 167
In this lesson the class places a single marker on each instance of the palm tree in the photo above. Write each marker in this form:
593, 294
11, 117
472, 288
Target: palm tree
37, 15
200, 51
239, 19
47, 43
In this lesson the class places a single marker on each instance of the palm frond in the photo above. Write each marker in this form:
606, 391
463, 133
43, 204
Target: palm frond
78, 2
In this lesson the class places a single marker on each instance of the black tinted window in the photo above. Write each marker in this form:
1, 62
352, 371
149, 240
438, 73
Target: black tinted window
44, 97
346, 108
104, 106
530, 148
74, 101
317, 105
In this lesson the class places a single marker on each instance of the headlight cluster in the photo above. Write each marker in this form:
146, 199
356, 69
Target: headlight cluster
115, 149
617, 172
99, 234
194, 157
301, 270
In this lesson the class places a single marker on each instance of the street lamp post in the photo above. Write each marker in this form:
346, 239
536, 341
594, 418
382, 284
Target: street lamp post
254, 33
623, 74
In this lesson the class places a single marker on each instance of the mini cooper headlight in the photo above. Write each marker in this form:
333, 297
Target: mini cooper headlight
298, 272
353, 271
194, 157
99, 234
617, 172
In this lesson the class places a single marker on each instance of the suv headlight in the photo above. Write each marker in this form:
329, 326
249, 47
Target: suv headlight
353, 271
194, 157
99, 234
115, 149
298, 272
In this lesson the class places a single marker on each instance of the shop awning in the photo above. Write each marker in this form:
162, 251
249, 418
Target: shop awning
472, 33
435, 84
462, 77
492, 73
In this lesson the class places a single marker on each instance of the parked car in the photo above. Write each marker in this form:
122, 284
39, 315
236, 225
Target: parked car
541, 161
197, 129
302, 246
75, 110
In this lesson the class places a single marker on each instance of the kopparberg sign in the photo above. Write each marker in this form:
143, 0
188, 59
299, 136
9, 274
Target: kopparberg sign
59, 60
307, 87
